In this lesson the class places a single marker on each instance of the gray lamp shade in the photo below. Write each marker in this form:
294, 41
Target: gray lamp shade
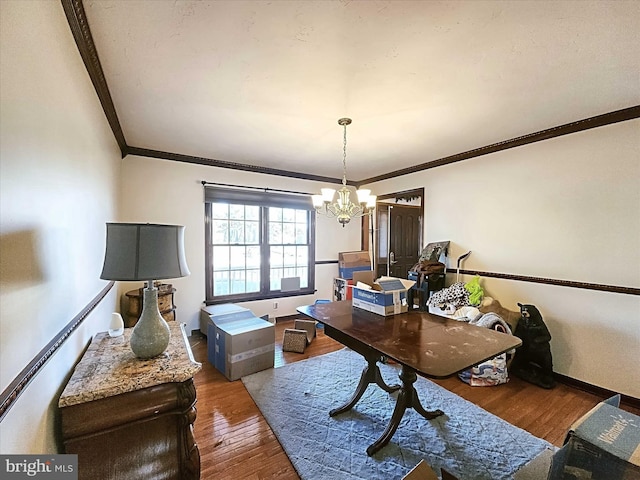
144, 251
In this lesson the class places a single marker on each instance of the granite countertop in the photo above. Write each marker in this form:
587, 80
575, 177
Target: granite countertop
110, 368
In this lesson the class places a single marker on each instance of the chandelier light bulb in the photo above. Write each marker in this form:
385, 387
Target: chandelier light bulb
371, 201
363, 195
327, 194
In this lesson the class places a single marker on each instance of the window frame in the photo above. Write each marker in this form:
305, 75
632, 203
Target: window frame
263, 199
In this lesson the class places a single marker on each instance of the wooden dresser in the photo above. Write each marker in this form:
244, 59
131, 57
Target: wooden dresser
128, 418
166, 304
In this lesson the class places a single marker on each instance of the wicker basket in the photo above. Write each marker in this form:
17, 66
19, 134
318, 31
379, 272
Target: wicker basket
294, 340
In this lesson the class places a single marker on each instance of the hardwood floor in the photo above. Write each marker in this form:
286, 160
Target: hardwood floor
235, 441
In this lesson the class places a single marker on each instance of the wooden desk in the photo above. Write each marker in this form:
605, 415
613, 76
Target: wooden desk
420, 342
131, 418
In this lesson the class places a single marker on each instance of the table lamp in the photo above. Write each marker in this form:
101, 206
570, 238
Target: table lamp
146, 252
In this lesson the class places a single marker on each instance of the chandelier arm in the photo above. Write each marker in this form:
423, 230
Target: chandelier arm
325, 213
331, 210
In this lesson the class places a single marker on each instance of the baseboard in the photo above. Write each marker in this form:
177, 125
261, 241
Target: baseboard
284, 318
599, 391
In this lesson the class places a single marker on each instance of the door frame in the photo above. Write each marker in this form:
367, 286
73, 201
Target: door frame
370, 228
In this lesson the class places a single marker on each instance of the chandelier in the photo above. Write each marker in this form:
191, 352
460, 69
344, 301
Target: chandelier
343, 209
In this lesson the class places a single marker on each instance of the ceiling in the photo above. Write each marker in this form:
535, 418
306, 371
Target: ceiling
264, 83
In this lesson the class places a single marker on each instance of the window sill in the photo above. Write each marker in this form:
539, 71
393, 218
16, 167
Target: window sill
255, 297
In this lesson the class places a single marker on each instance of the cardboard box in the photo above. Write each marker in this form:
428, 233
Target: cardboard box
220, 313
239, 347
343, 288
364, 276
603, 444
385, 296
422, 471
350, 262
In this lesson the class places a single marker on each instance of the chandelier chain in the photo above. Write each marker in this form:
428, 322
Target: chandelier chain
344, 155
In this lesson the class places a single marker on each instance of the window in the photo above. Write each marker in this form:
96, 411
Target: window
253, 240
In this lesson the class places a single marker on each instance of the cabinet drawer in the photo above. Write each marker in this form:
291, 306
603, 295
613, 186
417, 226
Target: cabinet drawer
165, 302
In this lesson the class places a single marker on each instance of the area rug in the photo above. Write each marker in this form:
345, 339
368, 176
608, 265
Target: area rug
467, 441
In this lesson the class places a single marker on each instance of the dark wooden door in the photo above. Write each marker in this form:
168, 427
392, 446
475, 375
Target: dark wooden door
404, 230
399, 239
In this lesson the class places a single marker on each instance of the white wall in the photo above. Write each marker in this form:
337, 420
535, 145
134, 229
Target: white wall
164, 191
59, 169
566, 208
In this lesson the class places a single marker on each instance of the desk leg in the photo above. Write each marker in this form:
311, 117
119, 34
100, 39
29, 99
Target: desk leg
407, 398
370, 374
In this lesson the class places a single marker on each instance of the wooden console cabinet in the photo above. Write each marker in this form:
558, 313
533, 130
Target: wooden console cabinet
166, 306
128, 418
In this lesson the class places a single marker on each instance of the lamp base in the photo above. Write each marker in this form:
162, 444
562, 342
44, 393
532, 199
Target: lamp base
150, 336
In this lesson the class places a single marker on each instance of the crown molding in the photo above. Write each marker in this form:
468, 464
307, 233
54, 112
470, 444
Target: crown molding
77, 18
573, 127
178, 157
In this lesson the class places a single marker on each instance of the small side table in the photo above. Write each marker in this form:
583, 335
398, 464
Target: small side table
130, 418
165, 304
